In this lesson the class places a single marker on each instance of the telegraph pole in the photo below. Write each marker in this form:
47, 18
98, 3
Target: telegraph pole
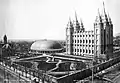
92, 70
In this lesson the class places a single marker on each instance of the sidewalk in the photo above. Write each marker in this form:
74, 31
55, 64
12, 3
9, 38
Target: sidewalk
12, 77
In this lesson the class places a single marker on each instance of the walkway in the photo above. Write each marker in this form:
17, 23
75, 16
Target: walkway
12, 77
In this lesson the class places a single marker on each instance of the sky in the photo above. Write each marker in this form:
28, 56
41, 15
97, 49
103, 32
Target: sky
47, 19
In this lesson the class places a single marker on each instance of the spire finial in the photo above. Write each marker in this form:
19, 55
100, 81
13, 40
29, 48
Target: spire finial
81, 22
70, 24
70, 20
104, 8
108, 15
109, 18
98, 12
105, 15
76, 16
99, 16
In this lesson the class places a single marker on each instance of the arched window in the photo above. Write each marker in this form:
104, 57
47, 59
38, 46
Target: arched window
80, 41
89, 41
75, 50
83, 50
89, 51
80, 50
92, 51
83, 41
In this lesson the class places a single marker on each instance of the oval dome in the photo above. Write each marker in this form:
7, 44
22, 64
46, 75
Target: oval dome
46, 45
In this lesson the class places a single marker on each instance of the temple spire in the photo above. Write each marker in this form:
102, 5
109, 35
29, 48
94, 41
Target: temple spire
109, 19
76, 17
77, 26
105, 15
99, 16
70, 20
98, 12
81, 23
70, 24
104, 7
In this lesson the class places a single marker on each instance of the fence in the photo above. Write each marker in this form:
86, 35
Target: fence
28, 73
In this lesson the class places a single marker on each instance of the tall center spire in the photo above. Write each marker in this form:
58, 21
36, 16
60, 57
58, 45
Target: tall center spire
76, 17
109, 19
77, 26
98, 12
99, 16
70, 22
105, 15
104, 7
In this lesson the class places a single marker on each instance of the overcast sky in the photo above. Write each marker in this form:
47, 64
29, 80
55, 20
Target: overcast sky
47, 19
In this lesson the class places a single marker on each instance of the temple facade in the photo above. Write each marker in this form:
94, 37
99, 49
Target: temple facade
98, 41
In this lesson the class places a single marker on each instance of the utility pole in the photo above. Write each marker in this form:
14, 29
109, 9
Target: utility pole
94, 55
3, 65
92, 70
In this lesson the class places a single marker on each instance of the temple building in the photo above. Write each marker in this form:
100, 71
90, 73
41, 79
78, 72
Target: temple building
98, 41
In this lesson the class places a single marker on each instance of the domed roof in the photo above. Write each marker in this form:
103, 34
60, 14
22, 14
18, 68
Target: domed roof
46, 45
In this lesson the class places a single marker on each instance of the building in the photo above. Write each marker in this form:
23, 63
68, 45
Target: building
5, 39
98, 41
46, 46
5, 47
